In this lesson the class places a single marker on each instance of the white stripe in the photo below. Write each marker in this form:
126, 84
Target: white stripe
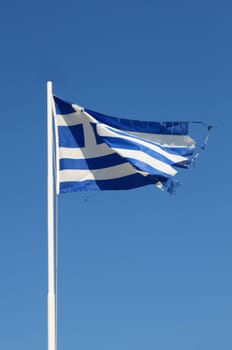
74, 118
145, 158
90, 140
84, 153
113, 172
68, 119
162, 139
106, 131
166, 140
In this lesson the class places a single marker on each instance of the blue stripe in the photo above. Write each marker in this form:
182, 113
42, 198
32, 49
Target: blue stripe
115, 142
92, 163
141, 166
71, 136
175, 150
123, 183
165, 128
63, 107
98, 138
181, 151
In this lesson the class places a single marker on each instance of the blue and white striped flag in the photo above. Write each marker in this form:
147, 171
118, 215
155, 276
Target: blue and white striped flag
98, 152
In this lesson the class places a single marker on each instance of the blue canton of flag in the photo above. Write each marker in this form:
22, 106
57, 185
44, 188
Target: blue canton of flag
99, 152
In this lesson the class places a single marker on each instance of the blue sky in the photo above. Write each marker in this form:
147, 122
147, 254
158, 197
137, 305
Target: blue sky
137, 269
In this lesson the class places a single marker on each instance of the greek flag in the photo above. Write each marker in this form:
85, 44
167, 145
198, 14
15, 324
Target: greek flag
99, 152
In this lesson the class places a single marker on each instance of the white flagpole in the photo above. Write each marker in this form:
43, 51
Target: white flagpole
50, 213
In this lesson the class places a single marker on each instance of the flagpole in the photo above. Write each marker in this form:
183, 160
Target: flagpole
50, 212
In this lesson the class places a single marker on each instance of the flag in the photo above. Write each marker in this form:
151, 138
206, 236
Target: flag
98, 152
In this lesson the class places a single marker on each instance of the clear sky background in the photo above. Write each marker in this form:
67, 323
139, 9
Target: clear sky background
138, 269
